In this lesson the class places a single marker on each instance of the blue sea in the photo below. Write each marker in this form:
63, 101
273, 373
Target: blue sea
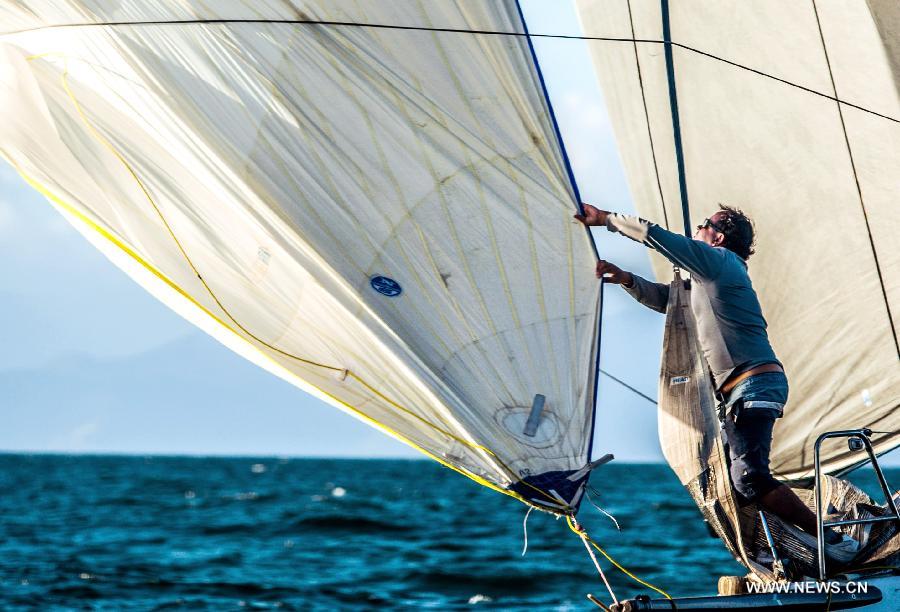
151, 533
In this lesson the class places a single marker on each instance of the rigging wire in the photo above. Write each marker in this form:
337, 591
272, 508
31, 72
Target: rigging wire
666, 42
676, 119
633, 40
629, 387
385, 26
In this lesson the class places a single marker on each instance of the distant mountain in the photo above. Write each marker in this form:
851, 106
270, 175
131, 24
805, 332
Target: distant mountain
191, 395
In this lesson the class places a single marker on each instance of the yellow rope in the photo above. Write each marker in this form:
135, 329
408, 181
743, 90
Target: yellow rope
581, 532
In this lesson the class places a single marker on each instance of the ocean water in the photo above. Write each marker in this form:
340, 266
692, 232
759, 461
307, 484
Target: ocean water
116, 533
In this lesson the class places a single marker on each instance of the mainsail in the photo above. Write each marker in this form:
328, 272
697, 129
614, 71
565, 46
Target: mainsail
365, 197
791, 111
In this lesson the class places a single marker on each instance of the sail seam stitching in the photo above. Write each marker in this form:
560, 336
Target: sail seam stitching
862, 202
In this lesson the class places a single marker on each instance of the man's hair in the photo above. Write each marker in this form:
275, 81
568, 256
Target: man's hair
738, 230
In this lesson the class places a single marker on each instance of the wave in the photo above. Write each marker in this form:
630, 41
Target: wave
481, 582
349, 524
226, 589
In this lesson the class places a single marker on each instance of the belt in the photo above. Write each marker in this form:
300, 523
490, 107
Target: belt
731, 383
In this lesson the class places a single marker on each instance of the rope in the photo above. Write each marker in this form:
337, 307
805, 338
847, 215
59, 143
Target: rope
589, 489
525, 529
597, 602
574, 526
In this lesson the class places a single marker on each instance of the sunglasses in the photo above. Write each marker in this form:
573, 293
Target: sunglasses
707, 223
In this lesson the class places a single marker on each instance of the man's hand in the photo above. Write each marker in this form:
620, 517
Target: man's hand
592, 215
617, 275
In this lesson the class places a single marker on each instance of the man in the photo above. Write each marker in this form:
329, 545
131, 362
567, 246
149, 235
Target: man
748, 377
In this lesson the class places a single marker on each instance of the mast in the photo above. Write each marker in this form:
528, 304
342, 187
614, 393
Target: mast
676, 122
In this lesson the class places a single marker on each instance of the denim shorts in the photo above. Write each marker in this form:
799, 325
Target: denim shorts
762, 392
750, 412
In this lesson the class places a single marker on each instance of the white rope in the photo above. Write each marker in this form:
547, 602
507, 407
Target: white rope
525, 529
594, 504
596, 563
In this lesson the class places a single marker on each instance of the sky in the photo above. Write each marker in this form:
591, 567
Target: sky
92, 363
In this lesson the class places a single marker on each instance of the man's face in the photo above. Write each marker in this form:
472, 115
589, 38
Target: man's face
708, 233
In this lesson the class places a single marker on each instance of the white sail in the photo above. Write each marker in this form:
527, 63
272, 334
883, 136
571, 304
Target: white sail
382, 215
790, 111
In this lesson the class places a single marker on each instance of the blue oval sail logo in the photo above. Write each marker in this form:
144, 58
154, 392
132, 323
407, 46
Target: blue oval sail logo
386, 286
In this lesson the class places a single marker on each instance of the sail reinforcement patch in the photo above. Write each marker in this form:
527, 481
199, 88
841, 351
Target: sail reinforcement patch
534, 417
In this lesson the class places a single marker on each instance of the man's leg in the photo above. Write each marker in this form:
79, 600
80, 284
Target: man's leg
784, 503
749, 441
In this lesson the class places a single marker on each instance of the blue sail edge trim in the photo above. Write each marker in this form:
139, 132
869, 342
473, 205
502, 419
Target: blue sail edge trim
574, 185
559, 139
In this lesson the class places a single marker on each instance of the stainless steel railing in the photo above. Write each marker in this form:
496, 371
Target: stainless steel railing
862, 435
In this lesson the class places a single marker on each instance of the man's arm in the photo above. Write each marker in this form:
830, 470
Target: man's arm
652, 295
695, 256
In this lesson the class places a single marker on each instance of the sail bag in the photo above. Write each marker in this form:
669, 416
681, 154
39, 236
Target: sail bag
690, 434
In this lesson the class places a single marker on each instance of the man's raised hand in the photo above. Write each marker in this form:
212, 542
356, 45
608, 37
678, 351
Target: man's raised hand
592, 215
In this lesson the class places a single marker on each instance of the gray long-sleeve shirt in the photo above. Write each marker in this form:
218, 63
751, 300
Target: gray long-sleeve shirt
730, 323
